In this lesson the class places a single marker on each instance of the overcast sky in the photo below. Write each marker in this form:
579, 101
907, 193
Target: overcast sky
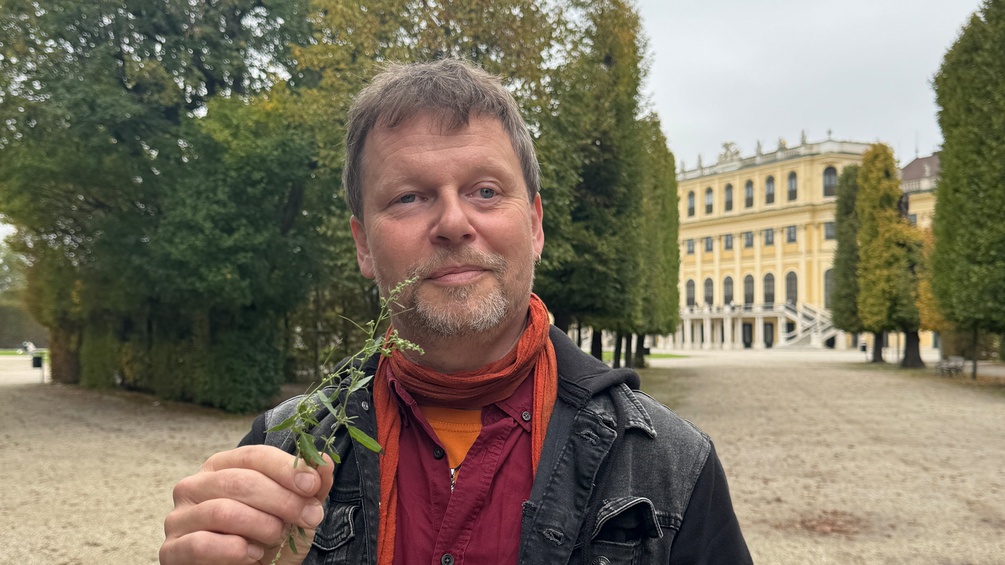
742, 71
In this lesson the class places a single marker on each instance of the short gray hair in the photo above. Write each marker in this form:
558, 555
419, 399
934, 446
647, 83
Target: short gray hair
451, 89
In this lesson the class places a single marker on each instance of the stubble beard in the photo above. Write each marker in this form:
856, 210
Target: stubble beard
462, 310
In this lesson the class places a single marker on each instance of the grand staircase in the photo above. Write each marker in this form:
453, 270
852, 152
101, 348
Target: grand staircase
813, 326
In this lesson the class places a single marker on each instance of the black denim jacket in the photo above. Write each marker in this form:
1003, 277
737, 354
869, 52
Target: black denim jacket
622, 479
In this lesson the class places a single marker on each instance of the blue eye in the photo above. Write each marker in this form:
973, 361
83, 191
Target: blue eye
486, 192
407, 199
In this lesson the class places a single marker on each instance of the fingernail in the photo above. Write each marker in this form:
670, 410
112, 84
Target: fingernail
313, 514
304, 482
255, 552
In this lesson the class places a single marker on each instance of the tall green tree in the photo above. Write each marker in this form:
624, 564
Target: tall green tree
844, 296
659, 252
969, 262
890, 252
599, 283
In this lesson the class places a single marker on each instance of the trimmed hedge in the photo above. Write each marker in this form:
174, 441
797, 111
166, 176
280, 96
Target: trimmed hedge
99, 358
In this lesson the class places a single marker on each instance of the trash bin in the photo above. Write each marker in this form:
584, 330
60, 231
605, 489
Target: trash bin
36, 361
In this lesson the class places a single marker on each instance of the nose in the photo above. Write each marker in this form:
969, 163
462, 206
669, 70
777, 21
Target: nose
452, 223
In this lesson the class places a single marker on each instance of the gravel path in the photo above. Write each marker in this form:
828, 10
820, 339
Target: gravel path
829, 461
832, 461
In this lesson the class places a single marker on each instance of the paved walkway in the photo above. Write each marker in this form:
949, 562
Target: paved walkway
830, 461
834, 461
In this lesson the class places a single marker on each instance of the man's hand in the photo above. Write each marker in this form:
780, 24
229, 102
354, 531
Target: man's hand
238, 507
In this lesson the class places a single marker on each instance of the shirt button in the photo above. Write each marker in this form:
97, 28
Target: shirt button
601, 560
447, 559
525, 416
438, 454
365, 405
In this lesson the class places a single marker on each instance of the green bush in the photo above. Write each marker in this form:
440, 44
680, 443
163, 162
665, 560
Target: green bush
99, 357
961, 343
241, 374
237, 371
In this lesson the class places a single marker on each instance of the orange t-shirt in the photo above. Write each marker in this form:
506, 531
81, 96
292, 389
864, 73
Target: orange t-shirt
456, 429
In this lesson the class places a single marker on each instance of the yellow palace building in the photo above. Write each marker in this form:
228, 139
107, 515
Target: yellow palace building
757, 238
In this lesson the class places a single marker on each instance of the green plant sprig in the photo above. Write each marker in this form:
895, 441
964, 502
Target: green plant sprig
346, 380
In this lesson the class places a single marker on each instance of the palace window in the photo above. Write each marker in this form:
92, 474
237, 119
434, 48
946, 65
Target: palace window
708, 245
791, 287
689, 246
748, 290
727, 242
793, 186
690, 204
689, 293
769, 190
830, 230
709, 199
769, 236
729, 198
727, 290
769, 289
830, 181
708, 291
790, 234
748, 239
748, 194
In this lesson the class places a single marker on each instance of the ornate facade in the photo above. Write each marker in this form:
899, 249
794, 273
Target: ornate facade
757, 239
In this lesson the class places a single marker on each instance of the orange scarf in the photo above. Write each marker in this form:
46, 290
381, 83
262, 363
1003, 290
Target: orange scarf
492, 383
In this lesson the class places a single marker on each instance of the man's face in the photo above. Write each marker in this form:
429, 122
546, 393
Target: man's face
451, 208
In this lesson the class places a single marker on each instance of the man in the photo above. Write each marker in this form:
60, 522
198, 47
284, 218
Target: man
504, 443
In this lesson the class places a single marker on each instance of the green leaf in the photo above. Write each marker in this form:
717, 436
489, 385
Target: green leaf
284, 425
293, 544
364, 440
308, 451
359, 384
326, 401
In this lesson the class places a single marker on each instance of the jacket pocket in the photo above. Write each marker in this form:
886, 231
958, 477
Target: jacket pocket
624, 526
334, 534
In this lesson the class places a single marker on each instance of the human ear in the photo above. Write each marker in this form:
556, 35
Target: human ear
362, 247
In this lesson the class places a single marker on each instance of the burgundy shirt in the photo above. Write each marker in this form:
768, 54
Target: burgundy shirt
479, 522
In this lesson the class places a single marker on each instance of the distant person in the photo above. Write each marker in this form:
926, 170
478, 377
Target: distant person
504, 443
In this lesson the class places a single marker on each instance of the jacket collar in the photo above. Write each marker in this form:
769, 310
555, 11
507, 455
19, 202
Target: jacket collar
582, 377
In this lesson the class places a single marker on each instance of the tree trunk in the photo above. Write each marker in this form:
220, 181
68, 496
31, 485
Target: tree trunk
64, 355
579, 334
640, 352
878, 340
912, 351
618, 338
628, 350
597, 344
562, 321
